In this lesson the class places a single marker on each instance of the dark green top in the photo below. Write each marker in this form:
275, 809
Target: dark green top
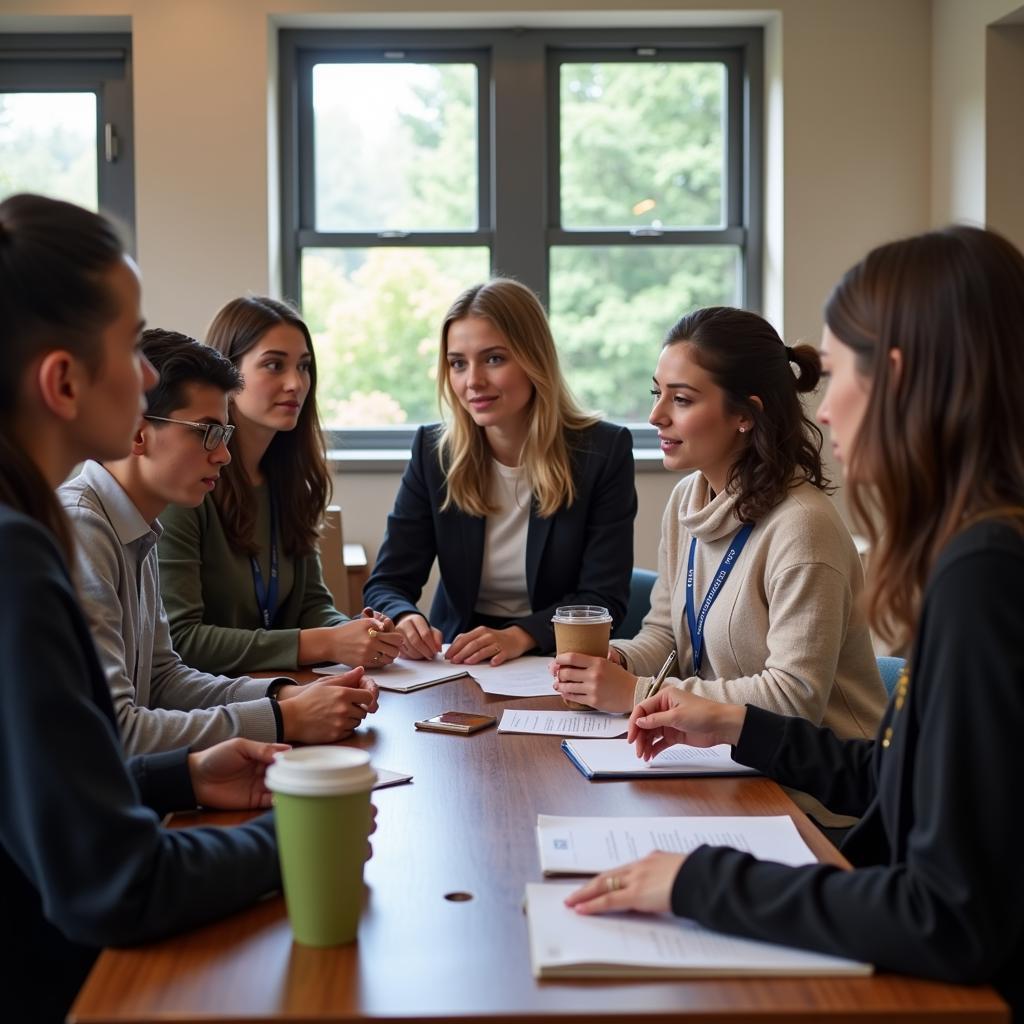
210, 597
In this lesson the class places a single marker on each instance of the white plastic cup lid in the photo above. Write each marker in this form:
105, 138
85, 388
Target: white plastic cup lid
581, 614
321, 771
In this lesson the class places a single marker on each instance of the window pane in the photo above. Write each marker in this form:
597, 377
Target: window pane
612, 305
642, 145
375, 316
395, 147
48, 141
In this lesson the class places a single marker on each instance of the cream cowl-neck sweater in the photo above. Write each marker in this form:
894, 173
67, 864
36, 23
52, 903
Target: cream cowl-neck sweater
786, 633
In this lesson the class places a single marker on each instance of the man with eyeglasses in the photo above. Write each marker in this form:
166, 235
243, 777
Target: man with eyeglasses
176, 458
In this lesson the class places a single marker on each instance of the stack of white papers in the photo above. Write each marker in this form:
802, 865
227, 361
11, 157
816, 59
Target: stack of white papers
586, 846
523, 677
564, 944
562, 723
614, 759
403, 674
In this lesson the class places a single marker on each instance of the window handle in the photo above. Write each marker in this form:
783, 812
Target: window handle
392, 234
646, 232
110, 143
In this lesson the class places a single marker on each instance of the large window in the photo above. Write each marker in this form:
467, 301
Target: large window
617, 174
66, 121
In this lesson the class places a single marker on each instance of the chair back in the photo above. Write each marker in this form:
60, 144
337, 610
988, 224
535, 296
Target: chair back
640, 584
889, 669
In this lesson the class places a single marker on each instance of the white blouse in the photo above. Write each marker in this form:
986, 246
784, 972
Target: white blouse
503, 591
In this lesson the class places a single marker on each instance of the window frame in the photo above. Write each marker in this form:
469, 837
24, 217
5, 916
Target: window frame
519, 113
89, 62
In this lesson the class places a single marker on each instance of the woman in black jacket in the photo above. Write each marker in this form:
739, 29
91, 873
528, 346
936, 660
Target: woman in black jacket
525, 501
924, 343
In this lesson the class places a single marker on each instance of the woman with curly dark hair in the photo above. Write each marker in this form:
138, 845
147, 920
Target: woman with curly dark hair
758, 578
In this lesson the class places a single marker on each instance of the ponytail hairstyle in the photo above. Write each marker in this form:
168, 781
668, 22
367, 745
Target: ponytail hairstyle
747, 359
546, 458
940, 444
53, 260
295, 462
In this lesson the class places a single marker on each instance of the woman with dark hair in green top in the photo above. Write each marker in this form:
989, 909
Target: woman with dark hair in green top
240, 575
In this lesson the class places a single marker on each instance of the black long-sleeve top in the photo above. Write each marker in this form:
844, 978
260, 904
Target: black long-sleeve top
937, 888
84, 862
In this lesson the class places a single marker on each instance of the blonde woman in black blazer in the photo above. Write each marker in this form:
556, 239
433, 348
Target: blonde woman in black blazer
511, 412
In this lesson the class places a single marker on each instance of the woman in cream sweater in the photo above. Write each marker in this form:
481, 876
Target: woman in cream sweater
779, 623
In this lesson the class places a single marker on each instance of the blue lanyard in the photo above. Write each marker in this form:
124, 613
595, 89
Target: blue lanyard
696, 622
266, 599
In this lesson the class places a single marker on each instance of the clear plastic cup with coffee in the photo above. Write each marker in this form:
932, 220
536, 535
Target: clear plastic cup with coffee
582, 629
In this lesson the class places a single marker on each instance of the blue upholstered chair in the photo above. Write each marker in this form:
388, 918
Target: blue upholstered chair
639, 604
890, 669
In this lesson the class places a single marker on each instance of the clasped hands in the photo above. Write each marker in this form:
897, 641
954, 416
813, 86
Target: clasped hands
668, 717
370, 640
328, 709
484, 643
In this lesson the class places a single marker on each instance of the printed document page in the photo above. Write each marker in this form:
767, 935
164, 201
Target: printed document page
566, 944
589, 845
523, 677
617, 757
562, 723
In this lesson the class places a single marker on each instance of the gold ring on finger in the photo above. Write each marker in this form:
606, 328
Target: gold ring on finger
613, 883
371, 633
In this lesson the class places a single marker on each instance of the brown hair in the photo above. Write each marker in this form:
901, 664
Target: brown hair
940, 445
295, 462
53, 260
747, 359
465, 456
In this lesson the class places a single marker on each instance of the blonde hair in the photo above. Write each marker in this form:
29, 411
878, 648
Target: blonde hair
463, 450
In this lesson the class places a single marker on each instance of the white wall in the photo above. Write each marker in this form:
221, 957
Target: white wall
850, 154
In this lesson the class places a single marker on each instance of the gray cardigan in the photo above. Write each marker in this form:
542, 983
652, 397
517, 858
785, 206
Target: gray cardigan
159, 702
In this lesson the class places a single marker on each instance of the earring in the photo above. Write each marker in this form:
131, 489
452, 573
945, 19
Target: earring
743, 430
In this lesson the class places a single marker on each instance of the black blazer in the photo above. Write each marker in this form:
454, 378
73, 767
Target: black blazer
580, 555
938, 890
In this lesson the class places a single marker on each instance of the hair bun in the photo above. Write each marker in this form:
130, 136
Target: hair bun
808, 362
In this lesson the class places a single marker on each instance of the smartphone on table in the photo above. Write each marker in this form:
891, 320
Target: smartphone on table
463, 722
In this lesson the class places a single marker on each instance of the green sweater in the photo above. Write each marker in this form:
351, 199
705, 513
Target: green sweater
210, 597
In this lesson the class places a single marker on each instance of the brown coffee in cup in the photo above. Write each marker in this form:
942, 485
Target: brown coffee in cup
582, 629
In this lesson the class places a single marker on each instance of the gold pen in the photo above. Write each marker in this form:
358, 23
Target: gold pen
662, 675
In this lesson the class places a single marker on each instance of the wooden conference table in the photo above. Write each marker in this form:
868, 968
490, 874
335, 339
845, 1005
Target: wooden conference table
443, 935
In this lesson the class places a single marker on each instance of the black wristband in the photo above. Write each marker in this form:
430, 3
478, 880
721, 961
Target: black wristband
278, 719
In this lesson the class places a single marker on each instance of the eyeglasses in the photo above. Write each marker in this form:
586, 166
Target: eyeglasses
213, 433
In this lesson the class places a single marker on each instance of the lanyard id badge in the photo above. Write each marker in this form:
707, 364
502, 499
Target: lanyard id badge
696, 620
266, 597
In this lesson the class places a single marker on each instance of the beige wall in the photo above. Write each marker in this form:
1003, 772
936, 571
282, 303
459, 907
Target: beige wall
960, 36
851, 160
1004, 132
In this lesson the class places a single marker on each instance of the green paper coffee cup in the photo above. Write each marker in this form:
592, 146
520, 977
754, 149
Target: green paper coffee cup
322, 811
582, 629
